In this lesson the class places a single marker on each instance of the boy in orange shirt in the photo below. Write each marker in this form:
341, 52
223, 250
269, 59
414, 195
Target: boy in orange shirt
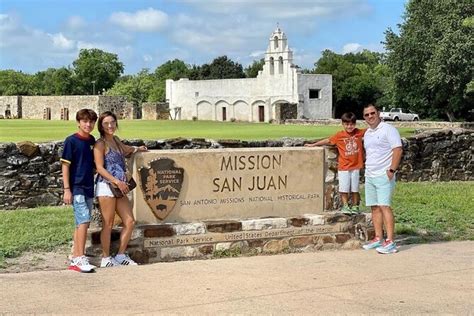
350, 160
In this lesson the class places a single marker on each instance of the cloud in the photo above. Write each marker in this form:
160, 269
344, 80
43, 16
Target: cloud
351, 48
25, 40
356, 48
282, 9
257, 54
75, 22
149, 20
61, 42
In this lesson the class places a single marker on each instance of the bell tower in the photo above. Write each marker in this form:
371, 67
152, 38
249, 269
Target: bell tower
278, 57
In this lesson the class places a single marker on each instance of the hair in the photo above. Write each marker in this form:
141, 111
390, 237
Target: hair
86, 114
371, 104
101, 119
348, 117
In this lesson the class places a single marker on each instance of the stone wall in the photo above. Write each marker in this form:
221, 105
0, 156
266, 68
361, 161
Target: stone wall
211, 239
155, 111
9, 107
64, 107
442, 155
422, 125
285, 111
30, 174
118, 105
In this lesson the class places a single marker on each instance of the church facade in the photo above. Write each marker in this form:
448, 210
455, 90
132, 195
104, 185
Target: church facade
279, 91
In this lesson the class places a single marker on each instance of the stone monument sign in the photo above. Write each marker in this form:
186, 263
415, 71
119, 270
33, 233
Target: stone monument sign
215, 184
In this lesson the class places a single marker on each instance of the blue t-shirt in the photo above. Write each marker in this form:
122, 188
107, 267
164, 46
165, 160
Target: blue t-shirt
78, 153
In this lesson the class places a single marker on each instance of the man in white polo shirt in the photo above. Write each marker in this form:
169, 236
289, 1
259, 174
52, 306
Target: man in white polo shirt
383, 151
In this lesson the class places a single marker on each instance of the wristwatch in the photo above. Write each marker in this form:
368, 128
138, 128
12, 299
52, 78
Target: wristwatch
392, 170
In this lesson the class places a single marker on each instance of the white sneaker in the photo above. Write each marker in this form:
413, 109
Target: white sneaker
81, 264
108, 262
125, 260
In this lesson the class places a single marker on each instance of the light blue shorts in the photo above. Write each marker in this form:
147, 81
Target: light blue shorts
82, 208
379, 190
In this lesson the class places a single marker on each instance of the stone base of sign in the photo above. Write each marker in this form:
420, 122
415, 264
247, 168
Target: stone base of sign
214, 239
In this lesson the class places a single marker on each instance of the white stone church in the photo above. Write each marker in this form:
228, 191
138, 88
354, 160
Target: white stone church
280, 91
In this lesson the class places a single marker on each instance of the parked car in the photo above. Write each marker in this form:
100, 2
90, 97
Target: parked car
398, 114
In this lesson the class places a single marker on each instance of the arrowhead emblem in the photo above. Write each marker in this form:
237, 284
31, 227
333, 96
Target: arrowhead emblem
161, 184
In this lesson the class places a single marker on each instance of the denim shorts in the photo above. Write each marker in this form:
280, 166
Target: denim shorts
379, 190
82, 208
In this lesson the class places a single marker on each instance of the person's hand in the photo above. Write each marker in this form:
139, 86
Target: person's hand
142, 148
309, 145
67, 196
123, 186
390, 174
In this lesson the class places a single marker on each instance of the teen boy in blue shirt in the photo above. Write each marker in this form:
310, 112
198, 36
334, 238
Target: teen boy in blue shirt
78, 181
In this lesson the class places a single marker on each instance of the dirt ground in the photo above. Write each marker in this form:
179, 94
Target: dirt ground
38, 261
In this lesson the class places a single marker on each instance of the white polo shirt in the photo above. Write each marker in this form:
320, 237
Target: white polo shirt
378, 144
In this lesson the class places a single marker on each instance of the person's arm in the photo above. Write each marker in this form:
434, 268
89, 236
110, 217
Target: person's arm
130, 150
99, 154
396, 158
393, 137
66, 185
321, 142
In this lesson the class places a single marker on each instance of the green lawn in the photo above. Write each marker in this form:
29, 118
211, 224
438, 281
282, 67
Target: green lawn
434, 210
43, 131
39, 229
437, 211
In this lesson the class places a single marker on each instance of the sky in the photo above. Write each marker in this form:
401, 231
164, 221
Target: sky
40, 34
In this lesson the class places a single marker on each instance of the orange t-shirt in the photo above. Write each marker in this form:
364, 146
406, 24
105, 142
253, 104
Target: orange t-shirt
350, 149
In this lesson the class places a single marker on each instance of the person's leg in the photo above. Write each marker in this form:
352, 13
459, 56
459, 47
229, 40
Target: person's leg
107, 209
344, 189
388, 221
385, 193
355, 190
82, 212
74, 242
344, 198
377, 220
356, 198
82, 207
124, 209
80, 242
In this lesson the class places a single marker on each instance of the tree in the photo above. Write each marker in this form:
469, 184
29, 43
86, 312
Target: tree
136, 88
358, 79
42, 82
220, 68
172, 69
96, 70
224, 68
14, 82
431, 60
63, 81
252, 70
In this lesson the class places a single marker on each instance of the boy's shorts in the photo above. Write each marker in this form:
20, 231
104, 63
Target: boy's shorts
379, 190
348, 180
82, 208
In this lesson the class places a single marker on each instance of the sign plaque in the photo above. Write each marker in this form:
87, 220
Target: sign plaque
214, 184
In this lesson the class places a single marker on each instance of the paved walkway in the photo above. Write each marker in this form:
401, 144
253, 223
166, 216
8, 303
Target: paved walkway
428, 278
